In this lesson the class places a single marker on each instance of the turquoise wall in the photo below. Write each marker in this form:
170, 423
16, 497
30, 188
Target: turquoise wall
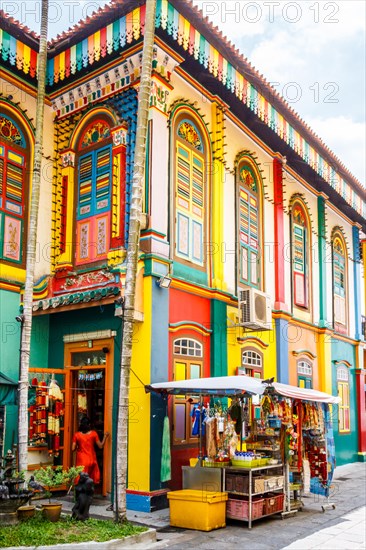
346, 444
86, 320
9, 356
40, 342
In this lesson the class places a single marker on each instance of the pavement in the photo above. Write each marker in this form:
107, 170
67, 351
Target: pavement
343, 527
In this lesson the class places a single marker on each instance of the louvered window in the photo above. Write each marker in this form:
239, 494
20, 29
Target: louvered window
94, 195
190, 193
299, 257
249, 269
12, 190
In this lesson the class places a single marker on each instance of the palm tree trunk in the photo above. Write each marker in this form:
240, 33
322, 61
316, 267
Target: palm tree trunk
31, 247
132, 261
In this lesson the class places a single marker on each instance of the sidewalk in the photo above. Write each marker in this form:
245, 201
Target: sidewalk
348, 535
343, 527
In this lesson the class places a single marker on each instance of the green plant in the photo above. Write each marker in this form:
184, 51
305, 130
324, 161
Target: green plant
52, 478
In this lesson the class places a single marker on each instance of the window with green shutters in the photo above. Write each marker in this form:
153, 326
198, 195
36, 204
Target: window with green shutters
248, 219
94, 182
190, 193
339, 281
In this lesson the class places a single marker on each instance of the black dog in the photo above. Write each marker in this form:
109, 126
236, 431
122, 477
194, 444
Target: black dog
84, 491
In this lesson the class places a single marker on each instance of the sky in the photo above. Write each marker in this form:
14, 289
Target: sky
312, 52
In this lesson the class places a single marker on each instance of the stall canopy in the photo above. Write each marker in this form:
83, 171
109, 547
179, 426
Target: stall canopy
240, 385
303, 393
8, 390
220, 386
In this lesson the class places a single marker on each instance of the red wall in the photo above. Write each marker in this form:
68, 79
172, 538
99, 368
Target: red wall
187, 308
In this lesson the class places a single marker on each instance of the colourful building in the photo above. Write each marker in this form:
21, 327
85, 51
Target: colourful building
250, 256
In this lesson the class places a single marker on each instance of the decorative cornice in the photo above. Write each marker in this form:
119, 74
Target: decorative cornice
189, 325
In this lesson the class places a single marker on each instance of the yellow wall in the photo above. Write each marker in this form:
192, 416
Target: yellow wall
263, 341
139, 412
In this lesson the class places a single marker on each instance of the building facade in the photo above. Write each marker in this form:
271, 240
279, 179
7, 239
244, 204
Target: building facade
251, 250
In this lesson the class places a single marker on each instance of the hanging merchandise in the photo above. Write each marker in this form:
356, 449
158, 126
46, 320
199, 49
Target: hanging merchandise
165, 469
38, 415
212, 436
81, 395
55, 411
198, 417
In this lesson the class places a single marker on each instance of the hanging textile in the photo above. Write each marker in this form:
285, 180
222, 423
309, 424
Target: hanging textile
55, 411
38, 414
321, 485
212, 435
165, 470
197, 414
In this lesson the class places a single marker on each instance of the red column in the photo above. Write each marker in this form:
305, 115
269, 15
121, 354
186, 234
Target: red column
361, 409
279, 242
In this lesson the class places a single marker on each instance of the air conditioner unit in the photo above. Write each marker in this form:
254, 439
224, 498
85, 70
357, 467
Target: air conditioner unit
255, 310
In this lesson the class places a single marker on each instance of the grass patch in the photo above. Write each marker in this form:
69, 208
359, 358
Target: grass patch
38, 531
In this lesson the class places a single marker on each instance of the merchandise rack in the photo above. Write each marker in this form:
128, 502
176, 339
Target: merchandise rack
250, 493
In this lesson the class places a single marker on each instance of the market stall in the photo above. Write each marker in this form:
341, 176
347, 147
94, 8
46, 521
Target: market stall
270, 445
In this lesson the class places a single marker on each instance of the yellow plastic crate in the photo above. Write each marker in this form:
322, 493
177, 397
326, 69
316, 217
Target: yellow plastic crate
245, 463
200, 510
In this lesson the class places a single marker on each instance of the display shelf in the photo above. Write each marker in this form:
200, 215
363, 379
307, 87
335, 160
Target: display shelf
250, 509
255, 469
255, 494
253, 519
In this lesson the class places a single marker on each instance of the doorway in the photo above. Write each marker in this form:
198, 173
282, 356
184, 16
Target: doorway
89, 394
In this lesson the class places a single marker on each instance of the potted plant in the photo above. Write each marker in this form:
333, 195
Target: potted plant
55, 478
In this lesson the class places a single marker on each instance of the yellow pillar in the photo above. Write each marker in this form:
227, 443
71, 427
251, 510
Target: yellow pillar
325, 360
217, 174
139, 401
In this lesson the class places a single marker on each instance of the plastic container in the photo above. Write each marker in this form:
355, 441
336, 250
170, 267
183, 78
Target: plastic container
200, 510
239, 509
245, 463
274, 503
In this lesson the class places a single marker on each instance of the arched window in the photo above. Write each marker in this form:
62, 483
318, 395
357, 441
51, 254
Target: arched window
251, 363
300, 260
339, 282
249, 224
13, 159
94, 175
344, 423
187, 364
190, 191
304, 374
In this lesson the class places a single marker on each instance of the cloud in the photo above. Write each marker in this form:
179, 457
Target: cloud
346, 138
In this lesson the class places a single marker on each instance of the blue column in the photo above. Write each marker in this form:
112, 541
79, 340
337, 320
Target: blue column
357, 280
282, 350
159, 373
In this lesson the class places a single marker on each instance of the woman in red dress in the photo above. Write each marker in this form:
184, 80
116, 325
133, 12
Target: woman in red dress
83, 442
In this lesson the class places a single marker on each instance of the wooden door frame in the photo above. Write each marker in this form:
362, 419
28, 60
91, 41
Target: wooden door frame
75, 347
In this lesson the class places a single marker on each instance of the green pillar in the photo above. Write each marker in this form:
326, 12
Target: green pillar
322, 263
218, 338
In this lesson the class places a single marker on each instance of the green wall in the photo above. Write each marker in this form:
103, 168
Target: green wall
346, 444
9, 356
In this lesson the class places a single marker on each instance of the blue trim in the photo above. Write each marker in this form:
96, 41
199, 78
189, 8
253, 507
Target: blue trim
139, 503
158, 373
282, 350
356, 281
126, 106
